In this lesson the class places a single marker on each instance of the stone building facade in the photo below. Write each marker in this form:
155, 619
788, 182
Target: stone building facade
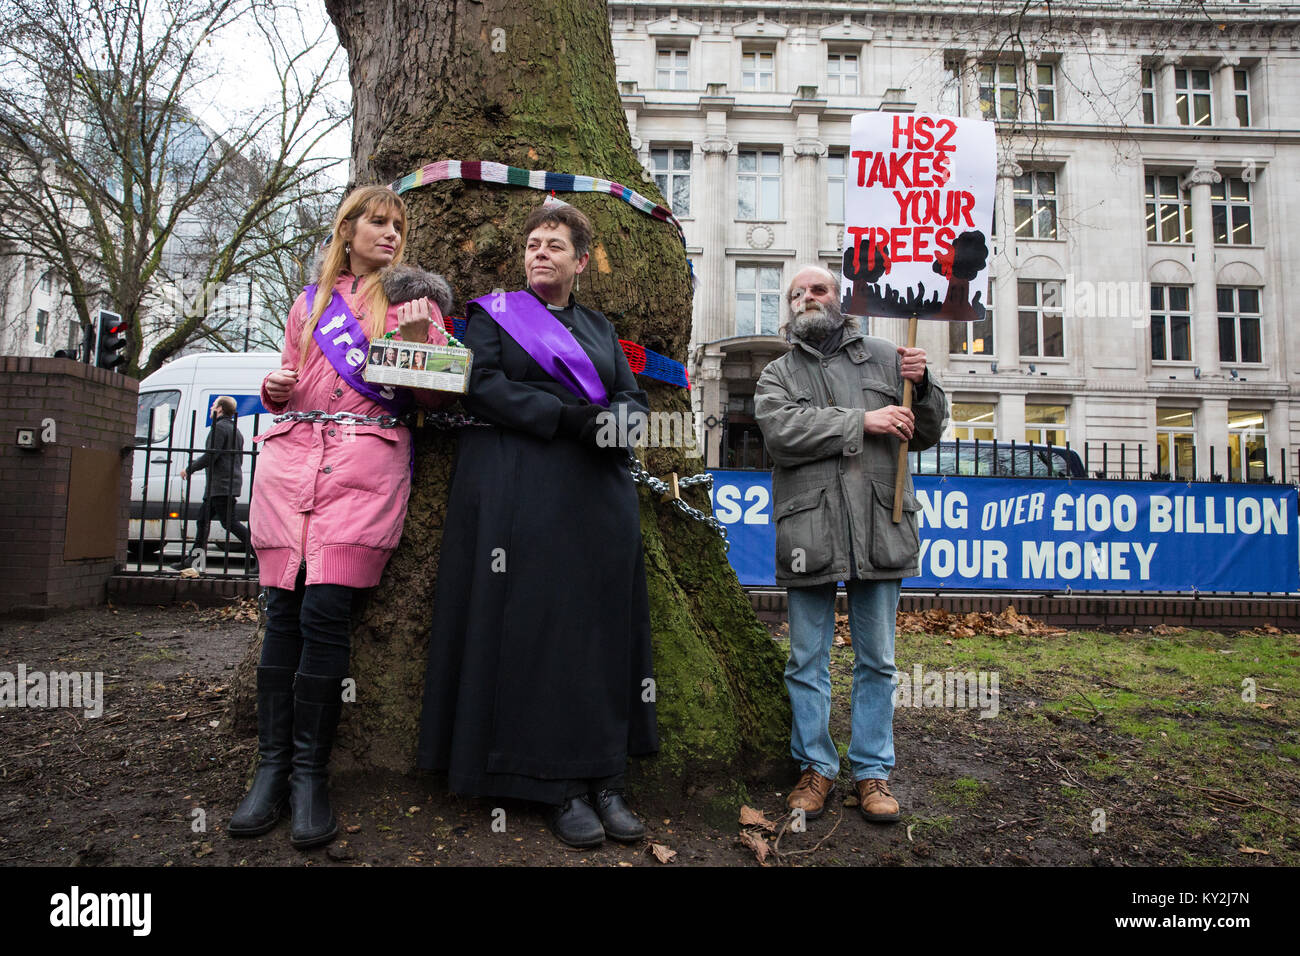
1147, 165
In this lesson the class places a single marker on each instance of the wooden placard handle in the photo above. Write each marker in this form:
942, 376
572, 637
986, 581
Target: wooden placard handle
900, 476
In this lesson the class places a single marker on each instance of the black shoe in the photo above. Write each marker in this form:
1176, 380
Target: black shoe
616, 816
317, 702
268, 797
576, 824
186, 562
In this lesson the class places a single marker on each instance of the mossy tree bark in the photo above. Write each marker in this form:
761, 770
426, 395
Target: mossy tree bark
531, 83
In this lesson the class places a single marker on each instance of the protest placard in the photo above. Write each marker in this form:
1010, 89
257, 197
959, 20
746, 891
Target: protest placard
918, 216
918, 223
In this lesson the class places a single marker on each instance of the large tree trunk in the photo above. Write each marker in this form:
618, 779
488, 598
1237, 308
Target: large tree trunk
531, 83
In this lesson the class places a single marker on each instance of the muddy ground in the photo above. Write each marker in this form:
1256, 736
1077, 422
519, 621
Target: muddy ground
153, 780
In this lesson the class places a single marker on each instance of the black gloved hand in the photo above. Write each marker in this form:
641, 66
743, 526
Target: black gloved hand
579, 422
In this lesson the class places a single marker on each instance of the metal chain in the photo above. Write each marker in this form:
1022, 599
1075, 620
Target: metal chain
460, 420
453, 420
642, 477
316, 415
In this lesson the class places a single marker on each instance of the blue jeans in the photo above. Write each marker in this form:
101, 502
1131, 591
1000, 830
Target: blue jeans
872, 606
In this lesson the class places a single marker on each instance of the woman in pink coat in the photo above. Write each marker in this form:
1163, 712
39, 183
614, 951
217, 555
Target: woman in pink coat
329, 500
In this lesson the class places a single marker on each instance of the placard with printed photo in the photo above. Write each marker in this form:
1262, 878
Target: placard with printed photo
442, 368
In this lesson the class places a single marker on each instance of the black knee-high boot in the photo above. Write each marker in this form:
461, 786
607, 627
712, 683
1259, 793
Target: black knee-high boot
317, 702
268, 797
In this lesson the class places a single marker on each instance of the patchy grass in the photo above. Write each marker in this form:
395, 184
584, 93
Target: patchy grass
1183, 737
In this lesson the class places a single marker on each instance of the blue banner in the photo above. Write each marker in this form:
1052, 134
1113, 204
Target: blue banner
1062, 535
245, 406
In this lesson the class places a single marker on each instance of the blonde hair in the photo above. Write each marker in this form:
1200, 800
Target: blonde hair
362, 201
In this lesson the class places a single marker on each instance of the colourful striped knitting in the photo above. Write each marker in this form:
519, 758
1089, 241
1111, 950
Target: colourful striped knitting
641, 359
504, 175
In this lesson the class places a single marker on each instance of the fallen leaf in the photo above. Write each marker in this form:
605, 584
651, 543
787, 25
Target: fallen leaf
749, 817
353, 828
662, 853
1251, 849
203, 850
755, 843
181, 716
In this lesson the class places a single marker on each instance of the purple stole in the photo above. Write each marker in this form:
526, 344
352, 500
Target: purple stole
547, 342
344, 344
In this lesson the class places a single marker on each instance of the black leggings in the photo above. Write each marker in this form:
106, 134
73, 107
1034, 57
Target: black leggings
309, 628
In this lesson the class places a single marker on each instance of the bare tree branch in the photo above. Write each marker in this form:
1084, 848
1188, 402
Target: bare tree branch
111, 179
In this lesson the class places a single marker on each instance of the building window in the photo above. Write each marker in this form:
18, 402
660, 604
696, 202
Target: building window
1035, 194
46, 283
672, 172
1239, 335
1247, 445
1046, 75
1193, 93
757, 71
42, 325
1230, 208
999, 92
973, 338
1042, 326
974, 420
836, 164
1169, 210
1176, 442
670, 68
1241, 95
758, 185
1045, 424
1171, 323
758, 300
841, 74
1149, 111
950, 94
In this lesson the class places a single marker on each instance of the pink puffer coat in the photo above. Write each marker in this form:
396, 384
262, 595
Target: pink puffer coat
326, 493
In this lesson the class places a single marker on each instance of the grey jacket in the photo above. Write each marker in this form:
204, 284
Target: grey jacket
833, 487
223, 457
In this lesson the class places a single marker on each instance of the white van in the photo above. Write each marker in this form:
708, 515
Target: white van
171, 428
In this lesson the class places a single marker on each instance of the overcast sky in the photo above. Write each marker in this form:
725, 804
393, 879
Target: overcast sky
245, 79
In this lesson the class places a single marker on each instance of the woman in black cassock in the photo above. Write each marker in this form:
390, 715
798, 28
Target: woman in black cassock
539, 674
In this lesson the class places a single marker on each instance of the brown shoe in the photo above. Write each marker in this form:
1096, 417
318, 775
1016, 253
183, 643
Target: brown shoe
810, 794
876, 802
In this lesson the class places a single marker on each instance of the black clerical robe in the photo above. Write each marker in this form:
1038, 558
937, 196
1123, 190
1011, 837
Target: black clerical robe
539, 657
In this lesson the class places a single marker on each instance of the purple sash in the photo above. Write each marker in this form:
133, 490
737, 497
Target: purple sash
547, 341
339, 335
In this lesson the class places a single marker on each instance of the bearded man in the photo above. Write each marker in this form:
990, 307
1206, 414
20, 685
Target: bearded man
830, 416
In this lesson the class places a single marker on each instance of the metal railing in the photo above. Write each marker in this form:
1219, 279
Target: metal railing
162, 524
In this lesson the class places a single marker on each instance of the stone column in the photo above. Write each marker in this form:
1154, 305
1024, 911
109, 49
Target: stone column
1006, 322
808, 216
970, 86
1212, 432
1011, 417
707, 380
1278, 422
1225, 97
1205, 305
1166, 107
713, 218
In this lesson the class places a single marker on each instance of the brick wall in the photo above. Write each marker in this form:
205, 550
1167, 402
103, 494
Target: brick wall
91, 408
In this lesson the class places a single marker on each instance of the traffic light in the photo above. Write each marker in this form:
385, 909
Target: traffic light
112, 341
